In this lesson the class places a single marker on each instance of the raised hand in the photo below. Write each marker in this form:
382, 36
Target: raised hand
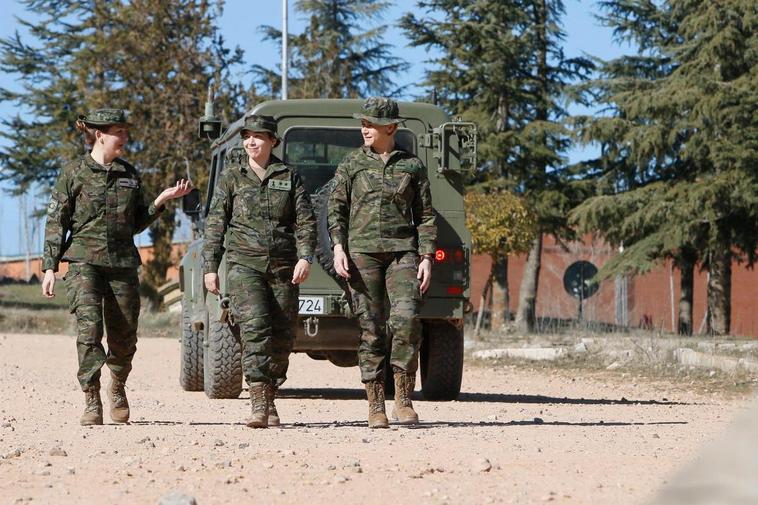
183, 186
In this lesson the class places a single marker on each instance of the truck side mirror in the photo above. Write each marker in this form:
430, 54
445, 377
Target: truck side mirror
191, 203
209, 128
455, 146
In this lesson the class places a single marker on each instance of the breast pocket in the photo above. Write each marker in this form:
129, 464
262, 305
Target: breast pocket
245, 203
89, 204
365, 183
404, 189
126, 201
279, 201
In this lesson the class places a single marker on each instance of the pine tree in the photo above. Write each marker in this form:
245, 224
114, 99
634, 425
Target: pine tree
153, 57
333, 58
679, 144
502, 65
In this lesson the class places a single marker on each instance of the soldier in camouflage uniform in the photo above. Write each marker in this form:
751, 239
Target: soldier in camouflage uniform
262, 217
96, 207
381, 224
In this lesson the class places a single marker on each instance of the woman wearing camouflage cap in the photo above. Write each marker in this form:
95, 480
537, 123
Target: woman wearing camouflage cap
381, 224
97, 206
262, 217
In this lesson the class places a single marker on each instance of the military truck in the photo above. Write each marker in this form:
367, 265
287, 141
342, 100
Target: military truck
316, 134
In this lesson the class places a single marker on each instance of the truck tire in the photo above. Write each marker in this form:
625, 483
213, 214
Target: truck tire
324, 254
223, 362
441, 361
191, 365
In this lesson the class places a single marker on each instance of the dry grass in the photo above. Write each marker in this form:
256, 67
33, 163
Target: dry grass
637, 355
60, 321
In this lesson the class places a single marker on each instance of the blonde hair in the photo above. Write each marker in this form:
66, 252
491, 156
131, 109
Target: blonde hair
87, 131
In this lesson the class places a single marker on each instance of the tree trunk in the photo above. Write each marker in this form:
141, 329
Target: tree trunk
483, 302
686, 264
526, 317
720, 292
500, 297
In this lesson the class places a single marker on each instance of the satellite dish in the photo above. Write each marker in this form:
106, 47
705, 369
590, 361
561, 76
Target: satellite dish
577, 280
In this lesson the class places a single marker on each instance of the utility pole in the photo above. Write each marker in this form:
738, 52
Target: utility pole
26, 238
285, 50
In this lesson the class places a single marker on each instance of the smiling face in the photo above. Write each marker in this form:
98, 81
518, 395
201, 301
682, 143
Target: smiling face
258, 145
112, 140
379, 137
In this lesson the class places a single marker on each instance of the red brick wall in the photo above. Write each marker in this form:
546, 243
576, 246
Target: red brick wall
649, 296
15, 269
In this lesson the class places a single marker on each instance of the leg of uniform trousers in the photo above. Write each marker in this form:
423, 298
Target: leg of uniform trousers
121, 306
283, 305
85, 286
250, 296
405, 301
367, 291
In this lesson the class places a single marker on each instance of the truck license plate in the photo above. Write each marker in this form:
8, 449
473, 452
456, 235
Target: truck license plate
310, 305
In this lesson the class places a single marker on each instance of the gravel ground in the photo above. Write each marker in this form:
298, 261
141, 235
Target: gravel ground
515, 436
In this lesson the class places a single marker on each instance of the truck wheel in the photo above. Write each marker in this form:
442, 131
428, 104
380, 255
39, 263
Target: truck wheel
344, 359
441, 361
223, 362
324, 254
191, 371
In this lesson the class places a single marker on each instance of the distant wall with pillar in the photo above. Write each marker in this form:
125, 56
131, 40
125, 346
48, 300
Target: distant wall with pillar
649, 300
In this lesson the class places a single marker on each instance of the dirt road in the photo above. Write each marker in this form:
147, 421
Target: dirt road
514, 436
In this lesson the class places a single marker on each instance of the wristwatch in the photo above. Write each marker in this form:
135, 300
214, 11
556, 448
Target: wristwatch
308, 258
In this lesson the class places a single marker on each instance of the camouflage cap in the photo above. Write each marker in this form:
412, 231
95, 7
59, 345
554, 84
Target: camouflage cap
106, 117
380, 110
260, 124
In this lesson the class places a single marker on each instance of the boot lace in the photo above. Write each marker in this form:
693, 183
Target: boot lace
258, 398
118, 393
376, 403
93, 402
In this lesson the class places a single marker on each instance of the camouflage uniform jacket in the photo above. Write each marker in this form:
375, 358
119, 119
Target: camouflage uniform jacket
256, 221
382, 207
102, 209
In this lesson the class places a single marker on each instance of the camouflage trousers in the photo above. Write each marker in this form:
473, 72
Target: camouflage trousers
264, 305
375, 277
103, 298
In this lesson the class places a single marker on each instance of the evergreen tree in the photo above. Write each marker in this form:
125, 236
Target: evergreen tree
333, 58
502, 65
153, 57
679, 144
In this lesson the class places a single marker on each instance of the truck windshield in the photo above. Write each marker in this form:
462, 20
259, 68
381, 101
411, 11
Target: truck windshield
316, 152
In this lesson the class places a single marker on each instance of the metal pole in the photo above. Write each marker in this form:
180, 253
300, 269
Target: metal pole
285, 50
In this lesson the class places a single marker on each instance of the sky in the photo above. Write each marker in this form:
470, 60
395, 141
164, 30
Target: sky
239, 22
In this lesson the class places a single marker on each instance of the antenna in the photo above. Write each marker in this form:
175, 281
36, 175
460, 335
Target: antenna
285, 50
